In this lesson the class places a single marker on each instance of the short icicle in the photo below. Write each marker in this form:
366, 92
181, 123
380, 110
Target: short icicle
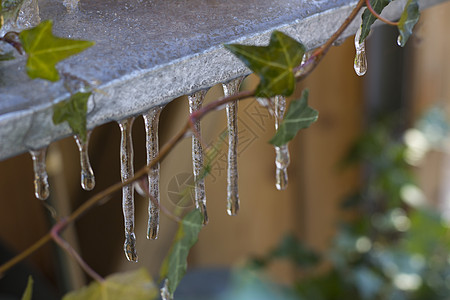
282, 158
87, 175
127, 171
151, 119
360, 63
231, 88
195, 103
41, 188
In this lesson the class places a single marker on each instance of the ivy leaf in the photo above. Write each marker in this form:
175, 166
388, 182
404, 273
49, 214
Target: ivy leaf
368, 18
274, 63
175, 264
73, 111
298, 116
45, 50
28, 290
408, 20
136, 285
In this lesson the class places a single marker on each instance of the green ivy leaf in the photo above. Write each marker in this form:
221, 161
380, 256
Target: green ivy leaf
298, 116
274, 63
28, 290
73, 111
175, 264
136, 285
408, 20
368, 18
45, 50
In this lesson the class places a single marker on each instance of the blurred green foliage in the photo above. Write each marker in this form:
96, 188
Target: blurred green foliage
395, 246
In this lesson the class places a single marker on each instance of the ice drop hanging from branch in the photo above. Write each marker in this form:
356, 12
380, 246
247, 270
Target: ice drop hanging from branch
151, 119
127, 171
360, 63
282, 158
87, 175
231, 88
195, 103
41, 188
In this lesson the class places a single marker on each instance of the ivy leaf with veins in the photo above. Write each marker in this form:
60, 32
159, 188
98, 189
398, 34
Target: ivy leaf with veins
136, 285
73, 111
175, 264
299, 116
274, 63
368, 18
408, 20
45, 50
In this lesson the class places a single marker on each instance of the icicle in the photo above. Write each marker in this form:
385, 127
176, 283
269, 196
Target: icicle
151, 119
87, 175
231, 88
41, 188
282, 159
360, 63
195, 103
127, 171
165, 294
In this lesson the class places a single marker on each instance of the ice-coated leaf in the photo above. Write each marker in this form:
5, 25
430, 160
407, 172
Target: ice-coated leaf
274, 63
408, 20
298, 116
28, 290
45, 50
136, 285
73, 111
368, 18
175, 264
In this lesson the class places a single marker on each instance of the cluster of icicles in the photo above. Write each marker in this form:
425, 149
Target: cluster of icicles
276, 107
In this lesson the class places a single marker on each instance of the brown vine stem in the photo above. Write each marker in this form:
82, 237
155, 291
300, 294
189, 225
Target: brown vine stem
66, 246
377, 15
301, 72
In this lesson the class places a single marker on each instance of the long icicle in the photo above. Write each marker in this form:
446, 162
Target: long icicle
127, 171
231, 88
151, 119
282, 158
195, 103
41, 188
87, 175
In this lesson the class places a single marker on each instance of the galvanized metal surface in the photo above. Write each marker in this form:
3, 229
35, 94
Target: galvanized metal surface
150, 52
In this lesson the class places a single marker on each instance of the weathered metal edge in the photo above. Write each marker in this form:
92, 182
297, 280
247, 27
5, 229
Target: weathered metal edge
137, 92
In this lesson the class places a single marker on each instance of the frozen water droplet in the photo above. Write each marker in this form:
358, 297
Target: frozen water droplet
282, 158
195, 103
151, 119
130, 247
399, 40
165, 294
126, 172
41, 188
87, 175
231, 88
360, 62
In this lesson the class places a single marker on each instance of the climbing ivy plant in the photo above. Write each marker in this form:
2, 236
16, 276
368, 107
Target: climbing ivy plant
279, 66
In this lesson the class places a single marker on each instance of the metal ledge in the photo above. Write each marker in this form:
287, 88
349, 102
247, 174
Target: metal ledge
149, 52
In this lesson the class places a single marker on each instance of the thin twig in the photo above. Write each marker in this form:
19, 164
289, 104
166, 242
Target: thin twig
378, 16
66, 246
